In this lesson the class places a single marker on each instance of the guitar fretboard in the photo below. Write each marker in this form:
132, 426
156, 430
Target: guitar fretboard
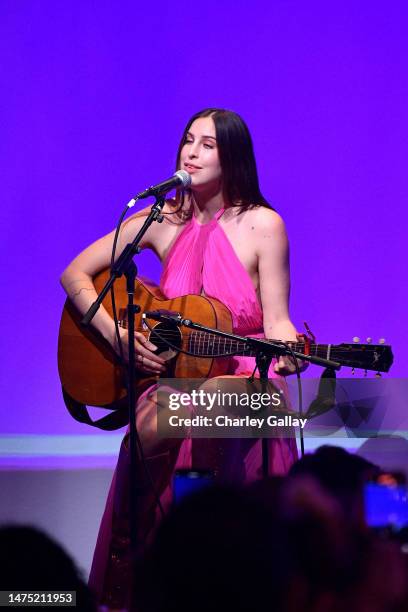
204, 343
366, 356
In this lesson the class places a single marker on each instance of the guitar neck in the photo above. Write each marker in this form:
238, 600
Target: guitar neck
365, 356
212, 344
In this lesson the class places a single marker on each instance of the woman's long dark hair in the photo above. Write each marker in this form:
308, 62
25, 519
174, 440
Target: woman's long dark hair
237, 159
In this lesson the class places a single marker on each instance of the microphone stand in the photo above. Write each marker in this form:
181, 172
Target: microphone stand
263, 362
265, 350
270, 348
125, 265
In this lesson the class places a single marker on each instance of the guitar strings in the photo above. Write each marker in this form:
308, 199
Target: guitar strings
197, 336
213, 338
208, 334
186, 352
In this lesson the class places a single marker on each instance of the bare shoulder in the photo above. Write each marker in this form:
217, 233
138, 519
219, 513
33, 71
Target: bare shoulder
159, 236
266, 231
136, 220
132, 224
261, 219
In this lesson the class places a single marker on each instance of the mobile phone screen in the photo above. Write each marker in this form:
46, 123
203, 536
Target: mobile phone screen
386, 506
186, 482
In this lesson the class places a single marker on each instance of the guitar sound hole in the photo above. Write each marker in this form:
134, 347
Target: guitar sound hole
163, 332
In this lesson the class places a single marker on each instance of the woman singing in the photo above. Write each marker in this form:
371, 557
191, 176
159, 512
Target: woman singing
222, 239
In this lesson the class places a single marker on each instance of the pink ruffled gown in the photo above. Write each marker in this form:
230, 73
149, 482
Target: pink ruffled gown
201, 260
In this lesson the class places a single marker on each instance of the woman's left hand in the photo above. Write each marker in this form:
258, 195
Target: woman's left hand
285, 366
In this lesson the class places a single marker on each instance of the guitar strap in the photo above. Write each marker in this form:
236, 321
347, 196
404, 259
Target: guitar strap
118, 417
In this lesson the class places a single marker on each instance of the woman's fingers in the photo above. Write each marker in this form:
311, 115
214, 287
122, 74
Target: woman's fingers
148, 365
146, 359
144, 347
280, 367
285, 366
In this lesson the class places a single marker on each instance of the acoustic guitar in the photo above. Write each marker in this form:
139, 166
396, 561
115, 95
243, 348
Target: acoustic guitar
91, 372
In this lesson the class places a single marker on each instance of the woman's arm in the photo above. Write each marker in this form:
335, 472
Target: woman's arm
274, 281
77, 280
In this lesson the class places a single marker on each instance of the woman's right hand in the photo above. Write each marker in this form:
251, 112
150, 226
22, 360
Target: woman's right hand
146, 359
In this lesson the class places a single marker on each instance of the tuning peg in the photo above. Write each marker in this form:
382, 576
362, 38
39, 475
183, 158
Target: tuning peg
381, 341
356, 339
369, 340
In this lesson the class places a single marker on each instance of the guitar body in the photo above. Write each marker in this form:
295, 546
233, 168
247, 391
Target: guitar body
91, 373
89, 369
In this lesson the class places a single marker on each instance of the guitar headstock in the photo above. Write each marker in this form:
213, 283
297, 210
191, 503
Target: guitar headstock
375, 357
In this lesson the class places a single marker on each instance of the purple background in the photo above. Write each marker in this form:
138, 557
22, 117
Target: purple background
95, 97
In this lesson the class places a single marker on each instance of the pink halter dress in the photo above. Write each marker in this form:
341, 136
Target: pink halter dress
201, 260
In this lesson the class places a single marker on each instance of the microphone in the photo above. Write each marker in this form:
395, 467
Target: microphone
164, 316
180, 179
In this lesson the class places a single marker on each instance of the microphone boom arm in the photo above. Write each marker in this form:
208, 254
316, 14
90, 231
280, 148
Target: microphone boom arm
268, 347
